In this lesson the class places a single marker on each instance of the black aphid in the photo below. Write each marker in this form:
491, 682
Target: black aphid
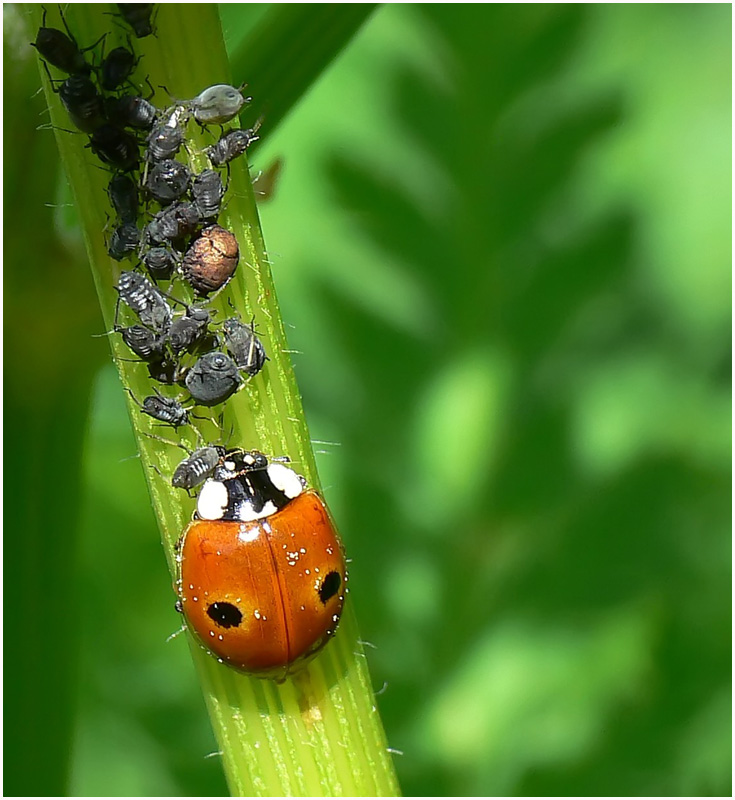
199, 466
174, 222
164, 370
217, 104
244, 346
145, 343
117, 67
123, 193
124, 241
83, 102
230, 146
143, 298
116, 147
168, 180
212, 379
207, 192
164, 409
130, 111
187, 331
160, 262
138, 16
60, 49
167, 136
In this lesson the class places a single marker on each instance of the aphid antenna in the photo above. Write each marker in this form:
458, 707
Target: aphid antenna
175, 299
129, 458
105, 334
168, 442
115, 327
49, 126
62, 14
199, 434
175, 634
115, 20
63, 20
150, 86
221, 417
135, 399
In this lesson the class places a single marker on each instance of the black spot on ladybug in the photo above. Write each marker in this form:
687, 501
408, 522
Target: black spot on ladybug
330, 586
225, 615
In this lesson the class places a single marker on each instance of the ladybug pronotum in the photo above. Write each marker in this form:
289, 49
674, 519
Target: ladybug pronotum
262, 570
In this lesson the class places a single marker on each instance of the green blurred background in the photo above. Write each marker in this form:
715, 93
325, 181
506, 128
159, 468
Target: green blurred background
501, 240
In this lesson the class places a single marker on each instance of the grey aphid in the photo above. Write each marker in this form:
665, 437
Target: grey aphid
217, 104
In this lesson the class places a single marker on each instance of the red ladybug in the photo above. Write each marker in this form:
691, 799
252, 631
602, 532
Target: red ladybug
262, 570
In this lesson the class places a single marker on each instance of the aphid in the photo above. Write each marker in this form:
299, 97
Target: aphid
160, 262
60, 49
145, 343
187, 331
164, 370
167, 137
174, 222
217, 104
212, 379
124, 240
143, 298
262, 569
123, 194
168, 180
138, 16
207, 192
244, 346
130, 111
230, 146
116, 68
164, 409
211, 260
83, 102
199, 466
115, 147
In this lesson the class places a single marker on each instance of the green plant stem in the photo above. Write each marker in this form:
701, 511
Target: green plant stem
318, 733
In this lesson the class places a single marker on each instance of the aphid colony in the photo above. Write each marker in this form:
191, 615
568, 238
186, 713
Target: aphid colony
262, 571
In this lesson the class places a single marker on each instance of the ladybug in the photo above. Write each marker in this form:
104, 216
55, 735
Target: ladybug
262, 570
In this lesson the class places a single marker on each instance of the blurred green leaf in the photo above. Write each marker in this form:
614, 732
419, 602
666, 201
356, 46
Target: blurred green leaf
284, 53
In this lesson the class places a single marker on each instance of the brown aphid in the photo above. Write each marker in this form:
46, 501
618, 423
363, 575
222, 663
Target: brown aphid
211, 260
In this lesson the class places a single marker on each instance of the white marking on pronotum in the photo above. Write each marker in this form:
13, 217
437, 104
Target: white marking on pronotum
212, 500
247, 513
285, 480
